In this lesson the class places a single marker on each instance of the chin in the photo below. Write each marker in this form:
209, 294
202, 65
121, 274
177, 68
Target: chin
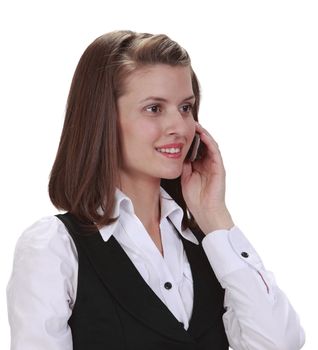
172, 175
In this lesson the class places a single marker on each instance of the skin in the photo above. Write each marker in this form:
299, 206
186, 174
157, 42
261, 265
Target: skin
156, 110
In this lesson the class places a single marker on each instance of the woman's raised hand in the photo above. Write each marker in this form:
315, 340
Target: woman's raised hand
203, 186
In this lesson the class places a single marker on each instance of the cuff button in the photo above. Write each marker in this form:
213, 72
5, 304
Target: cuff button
245, 255
168, 285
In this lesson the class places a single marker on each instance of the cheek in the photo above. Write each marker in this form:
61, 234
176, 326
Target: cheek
151, 132
140, 133
147, 129
191, 129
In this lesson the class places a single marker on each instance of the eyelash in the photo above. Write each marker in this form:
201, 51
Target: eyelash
190, 108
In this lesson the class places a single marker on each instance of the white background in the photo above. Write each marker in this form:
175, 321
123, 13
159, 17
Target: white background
257, 62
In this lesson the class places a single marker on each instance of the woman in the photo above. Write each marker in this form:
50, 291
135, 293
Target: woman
147, 255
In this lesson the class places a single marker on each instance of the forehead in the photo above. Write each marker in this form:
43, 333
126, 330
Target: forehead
159, 79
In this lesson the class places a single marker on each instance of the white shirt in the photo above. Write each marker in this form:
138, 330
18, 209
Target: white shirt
42, 288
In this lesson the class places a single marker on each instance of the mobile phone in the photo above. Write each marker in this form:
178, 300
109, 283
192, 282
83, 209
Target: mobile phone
195, 148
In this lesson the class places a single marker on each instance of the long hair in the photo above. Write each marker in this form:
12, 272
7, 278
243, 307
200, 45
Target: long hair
86, 169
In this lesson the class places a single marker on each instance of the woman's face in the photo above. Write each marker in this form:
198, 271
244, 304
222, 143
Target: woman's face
156, 121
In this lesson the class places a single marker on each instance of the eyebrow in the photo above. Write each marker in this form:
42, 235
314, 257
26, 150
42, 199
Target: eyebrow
161, 99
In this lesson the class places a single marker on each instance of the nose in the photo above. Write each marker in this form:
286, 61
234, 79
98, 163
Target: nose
178, 123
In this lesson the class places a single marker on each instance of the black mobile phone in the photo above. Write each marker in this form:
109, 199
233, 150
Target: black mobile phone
196, 149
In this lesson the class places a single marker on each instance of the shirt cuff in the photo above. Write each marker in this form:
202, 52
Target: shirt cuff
229, 251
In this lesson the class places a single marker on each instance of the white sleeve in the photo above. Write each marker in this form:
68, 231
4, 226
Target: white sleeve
258, 315
42, 287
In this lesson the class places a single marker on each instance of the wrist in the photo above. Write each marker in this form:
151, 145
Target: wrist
215, 220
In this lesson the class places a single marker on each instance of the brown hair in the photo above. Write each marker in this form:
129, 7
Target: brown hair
85, 171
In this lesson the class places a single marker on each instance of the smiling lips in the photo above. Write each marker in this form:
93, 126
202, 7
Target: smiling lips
172, 150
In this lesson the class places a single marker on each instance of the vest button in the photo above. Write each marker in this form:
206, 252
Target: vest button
168, 285
244, 255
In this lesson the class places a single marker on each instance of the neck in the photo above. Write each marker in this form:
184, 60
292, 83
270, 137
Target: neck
145, 196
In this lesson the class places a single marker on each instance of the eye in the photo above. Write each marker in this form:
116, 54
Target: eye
153, 108
187, 108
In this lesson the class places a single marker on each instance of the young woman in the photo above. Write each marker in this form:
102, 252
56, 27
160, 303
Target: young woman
147, 255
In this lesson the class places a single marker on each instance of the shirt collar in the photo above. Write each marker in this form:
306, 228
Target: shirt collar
169, 208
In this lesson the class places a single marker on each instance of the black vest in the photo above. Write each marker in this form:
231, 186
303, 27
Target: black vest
116, 309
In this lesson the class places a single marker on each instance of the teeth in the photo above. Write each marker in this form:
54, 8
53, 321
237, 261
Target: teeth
169, 150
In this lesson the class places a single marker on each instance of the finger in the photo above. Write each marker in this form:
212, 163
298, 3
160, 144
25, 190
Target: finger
208, 139
210, 143
201, 130
213, 151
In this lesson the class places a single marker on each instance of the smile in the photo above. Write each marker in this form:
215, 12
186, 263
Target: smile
172, 153
169, 150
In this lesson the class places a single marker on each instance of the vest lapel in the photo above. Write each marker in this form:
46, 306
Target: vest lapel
124, 282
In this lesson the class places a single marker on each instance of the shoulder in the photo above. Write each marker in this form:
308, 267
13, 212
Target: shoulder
49, 236
42, 287
45, 260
